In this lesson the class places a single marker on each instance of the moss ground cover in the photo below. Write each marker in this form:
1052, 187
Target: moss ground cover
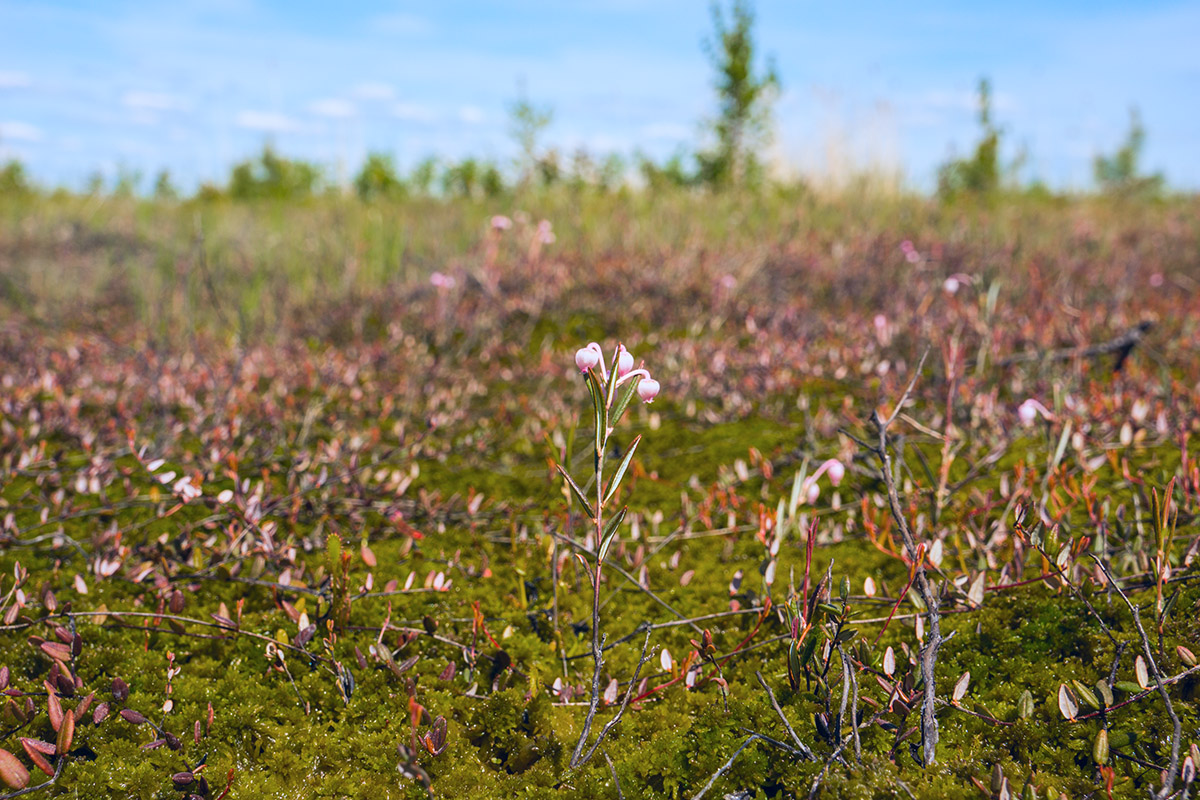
252, 460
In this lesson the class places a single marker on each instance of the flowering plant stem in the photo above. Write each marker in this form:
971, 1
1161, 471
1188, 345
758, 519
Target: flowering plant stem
609, 406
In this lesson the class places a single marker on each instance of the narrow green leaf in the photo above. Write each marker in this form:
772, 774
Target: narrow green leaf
1085, 694
797, 483
575, 490
1062, 446
1100, 747
612, 389
616, 481
610, 532
623, 401
597, 390
1025, 704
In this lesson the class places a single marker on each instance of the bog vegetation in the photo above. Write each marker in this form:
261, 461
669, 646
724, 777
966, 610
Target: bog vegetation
307, 493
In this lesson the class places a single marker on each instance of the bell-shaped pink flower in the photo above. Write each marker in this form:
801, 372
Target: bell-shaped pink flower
647, 389
1028, 411
814, 492
501, 223
589, 357
836, 471
624, 361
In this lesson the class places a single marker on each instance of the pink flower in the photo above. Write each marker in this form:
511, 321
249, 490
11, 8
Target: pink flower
501, 223
587, 358
442, 280
647, 389
1029, 410
836, 471
545, 233
951, 285
624, 361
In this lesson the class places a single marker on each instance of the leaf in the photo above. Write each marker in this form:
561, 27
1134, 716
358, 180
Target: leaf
1100, 748
1025, 704
610, 531
623, 401
616, 481
575, 490
1143, 674
889, 661
1127, 686
960, 688
975, 593
1085, 694
66, 733
597, 390
1066, 703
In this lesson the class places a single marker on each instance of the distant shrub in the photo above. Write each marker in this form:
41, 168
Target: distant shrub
423, 174
1118, 174
527, 123
378, 178
164, 188
980, 174
671, 173
744, 99
271, 176
14, 180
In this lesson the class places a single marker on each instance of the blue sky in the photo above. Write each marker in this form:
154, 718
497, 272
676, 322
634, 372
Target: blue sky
194, 86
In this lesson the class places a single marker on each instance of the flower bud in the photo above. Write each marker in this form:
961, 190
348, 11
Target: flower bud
647, 389
586, 358
836, 472
1027, 411
624, 361
814, 492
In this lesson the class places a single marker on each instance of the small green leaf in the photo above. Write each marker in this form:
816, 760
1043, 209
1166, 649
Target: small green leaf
1085, 694
1104, 692
623, 401
597, 389
807, 648
1127, 686
1121, 739
575, 490
1025, 704
1100, 748
616, 481
612, 387
845, 635
1067, 703
610, 532
960, 688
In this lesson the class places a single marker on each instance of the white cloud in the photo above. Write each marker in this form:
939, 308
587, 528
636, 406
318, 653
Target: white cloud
334, 108
411, 112
20, 132
14, 80
267, 122
153, 101
374, 91
472, 115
